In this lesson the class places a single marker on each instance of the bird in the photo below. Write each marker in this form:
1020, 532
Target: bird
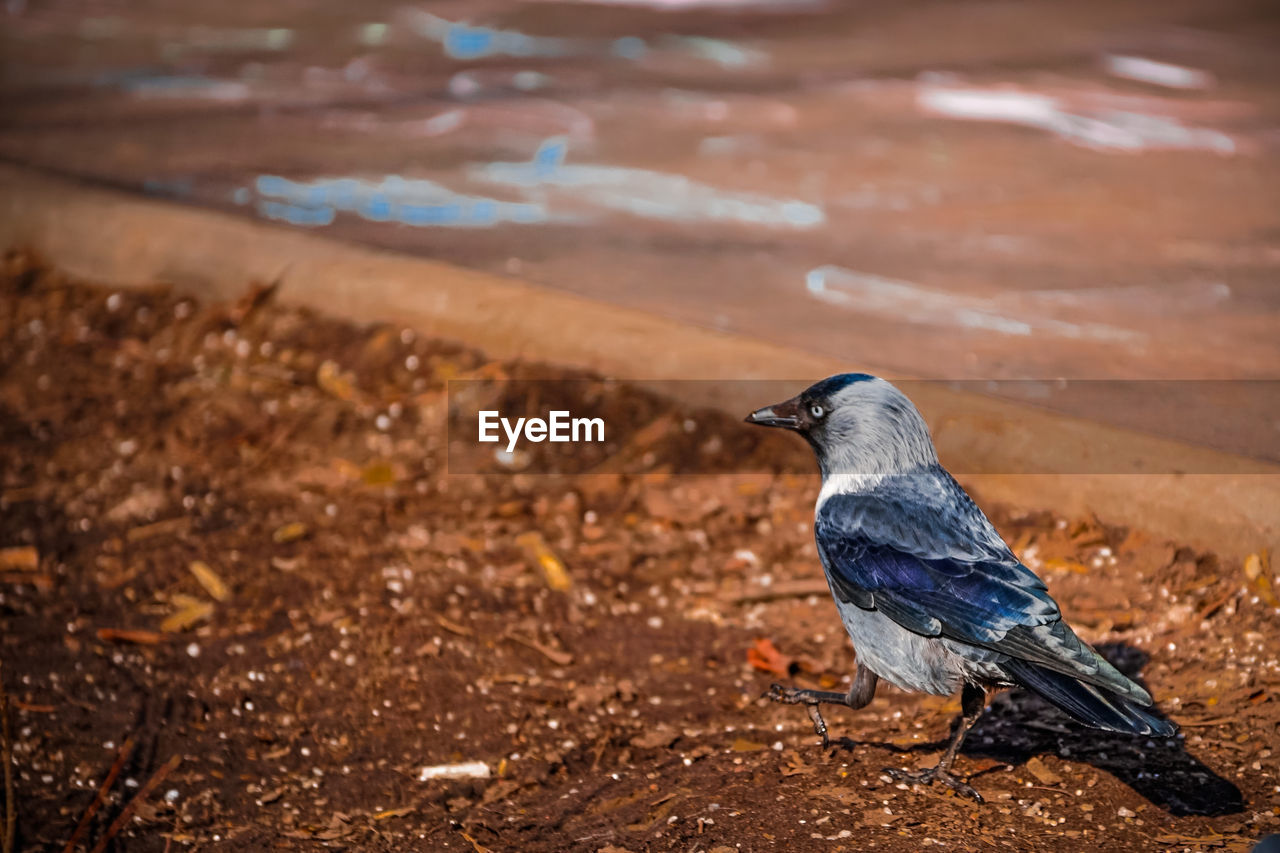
931, 596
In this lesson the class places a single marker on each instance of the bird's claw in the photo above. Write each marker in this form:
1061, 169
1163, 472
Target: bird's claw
819, 724
785, 695
794, 696
934, 774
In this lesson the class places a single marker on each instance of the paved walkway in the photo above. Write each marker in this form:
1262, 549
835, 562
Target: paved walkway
969, 191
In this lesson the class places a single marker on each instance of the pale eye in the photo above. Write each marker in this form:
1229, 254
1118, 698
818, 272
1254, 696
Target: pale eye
817, 411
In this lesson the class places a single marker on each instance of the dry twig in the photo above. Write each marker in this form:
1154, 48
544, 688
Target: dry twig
557, 657
127, 812
126, 749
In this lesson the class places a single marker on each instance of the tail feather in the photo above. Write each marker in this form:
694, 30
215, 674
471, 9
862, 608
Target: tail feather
1091, 705
1056, 647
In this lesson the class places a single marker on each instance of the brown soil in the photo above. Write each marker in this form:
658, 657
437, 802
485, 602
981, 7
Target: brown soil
360, 615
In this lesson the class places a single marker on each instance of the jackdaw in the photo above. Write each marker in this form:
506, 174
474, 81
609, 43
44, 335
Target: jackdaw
932, 597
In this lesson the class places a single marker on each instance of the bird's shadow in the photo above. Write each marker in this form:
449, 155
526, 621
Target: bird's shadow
1020, 725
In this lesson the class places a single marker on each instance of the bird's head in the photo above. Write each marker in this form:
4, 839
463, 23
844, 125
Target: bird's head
857, 424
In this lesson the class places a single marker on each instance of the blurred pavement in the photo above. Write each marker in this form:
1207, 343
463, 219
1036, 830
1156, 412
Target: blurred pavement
973, 190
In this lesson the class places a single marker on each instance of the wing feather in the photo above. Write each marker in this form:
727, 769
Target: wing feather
920, 551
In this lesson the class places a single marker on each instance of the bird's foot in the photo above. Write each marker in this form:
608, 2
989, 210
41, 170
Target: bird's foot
934, 774
789, 695
808, 698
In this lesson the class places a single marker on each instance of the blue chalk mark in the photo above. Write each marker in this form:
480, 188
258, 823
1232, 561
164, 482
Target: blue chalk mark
377, 209
344, 193
550, 156
466, 42
629, 47
423, 203
295, 214
463, 41
415, 202
272, 185
644, 193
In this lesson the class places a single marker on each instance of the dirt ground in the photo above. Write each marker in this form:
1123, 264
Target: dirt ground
235, 571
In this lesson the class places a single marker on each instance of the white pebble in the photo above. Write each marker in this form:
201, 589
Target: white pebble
462, 770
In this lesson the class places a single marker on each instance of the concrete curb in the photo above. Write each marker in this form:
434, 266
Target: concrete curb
110, 236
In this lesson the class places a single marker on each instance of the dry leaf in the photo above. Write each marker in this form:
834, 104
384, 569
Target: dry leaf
499, 790
378, 474
389, 813
766, 658
1256, 570
23, 558
557, 576
257, 295
189, 610
158, 528
479, 848
289, 532
346, 469
271, 796
1041, 771
329, 376
40, 580
453, 627
209, 579
139, 504
796, 766
339, 827
130, 635
655, 738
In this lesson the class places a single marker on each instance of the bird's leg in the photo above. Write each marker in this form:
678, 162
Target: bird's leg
860, 693
972, 701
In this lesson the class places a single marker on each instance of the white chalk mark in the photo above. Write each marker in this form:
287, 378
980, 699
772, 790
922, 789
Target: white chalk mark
1157, 73
147, 86
1167, 300
1100, 129
872, 294
1018, 314
723, 53
237, 39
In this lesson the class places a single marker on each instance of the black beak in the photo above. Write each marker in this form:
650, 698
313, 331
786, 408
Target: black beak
785, 415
